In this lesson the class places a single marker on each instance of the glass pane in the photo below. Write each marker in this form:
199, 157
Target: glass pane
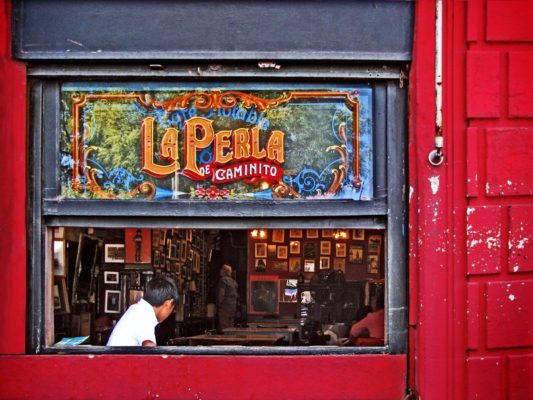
154, 141
283, 287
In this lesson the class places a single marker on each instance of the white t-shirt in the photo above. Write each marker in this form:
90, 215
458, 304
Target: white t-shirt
136, 325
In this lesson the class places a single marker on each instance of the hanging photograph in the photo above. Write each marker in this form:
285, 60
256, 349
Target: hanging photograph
356, 254
340, 249
260, 265
134, 295
309, 266
114, 253
358, 234
278, 236
282, 252
374, 244
260, 250
373, 264
339, 264
138, 246
294, 247
295, 233
309, 250
328, 233
111, 277
325, 247
312, 233
295, 264
263, 295
280, 265
112, 302
271, 250
324, 262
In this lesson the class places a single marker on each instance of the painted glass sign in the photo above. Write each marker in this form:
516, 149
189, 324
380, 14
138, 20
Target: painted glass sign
165, 141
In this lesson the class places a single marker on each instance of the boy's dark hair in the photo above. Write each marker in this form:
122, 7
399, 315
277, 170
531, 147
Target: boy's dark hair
160, 289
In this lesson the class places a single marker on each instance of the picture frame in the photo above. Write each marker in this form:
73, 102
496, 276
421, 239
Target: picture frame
295, 264
271, 250
112, 302
260, 250
340, 249
59, 258
309, 265
260, 265
324, 263
156, 259
325, 247
328, 233
282, 252
60, 296
114, 253
288, 290
263, 295
358, 234
111, 277
374, 244
138, 245
339, 264
295, 233
309, 250
278, 235
183, 250
294, 247
373, 264
355, 254
312, 233
280, 265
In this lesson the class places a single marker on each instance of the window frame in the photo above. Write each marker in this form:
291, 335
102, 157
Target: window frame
387, 210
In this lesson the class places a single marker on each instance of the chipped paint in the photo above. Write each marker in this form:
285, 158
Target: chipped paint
470, 210
411, 191
434, 182
512, 297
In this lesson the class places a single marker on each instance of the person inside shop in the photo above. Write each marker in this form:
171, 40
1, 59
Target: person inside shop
137, 325
227, 296
371, 326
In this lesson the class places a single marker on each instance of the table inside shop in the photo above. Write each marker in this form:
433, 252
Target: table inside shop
288, 333
228, 340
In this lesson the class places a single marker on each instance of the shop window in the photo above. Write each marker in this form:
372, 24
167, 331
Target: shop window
298, 186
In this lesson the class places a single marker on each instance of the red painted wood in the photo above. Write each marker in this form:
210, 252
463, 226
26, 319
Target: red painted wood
520, 242
202, 377
472, 160
520, 377
509, 20
484, 231
483, 84
509, 160
520, 84
473, 314
485, 378
13, 193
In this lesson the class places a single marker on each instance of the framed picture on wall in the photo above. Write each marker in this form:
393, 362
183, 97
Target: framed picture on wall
358, 234
356, 254
295, 264
260, 265
288, 290
138, 246
312, 233
324, 262
112, 301
111, 277
278, 236
295, 233
309, 250
340, 249
325, 247
271, 250
309, 265
134, 296
263, 295
260, 250
280, 265
282, 251
294, 247
328, 233
339, 264
373, 264
113, 253
374, 244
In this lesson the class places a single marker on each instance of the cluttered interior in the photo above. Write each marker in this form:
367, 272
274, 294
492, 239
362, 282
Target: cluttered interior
294, 287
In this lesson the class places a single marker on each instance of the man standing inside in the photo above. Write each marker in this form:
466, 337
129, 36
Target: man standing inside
226, 298
137, 325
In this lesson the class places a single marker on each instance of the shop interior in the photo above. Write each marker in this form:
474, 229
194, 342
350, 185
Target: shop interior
296, 287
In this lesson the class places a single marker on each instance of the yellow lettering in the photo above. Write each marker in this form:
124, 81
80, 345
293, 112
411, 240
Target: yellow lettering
241, 147
256, 152
169, 145
275, 147
222, 143
193, 143
148, 165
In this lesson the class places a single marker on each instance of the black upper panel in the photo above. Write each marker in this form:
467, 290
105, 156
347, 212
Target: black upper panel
210, 29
